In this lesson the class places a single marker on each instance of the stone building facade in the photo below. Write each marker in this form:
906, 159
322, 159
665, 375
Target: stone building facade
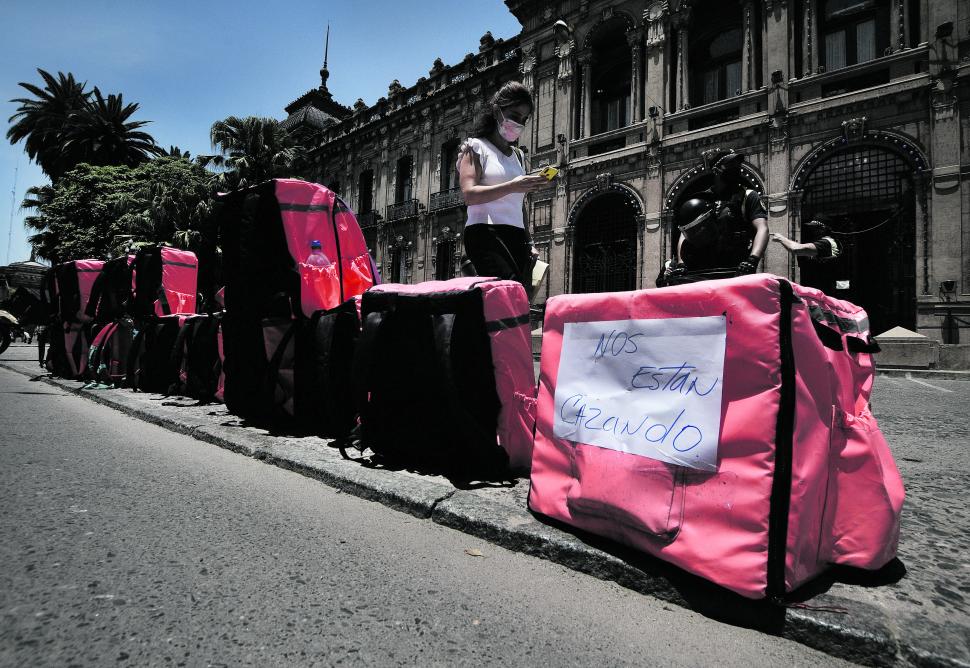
859, 109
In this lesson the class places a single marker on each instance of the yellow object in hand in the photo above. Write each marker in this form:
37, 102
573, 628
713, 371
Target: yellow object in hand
549, 172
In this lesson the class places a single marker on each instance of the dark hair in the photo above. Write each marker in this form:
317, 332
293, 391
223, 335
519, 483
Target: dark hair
816, 228
509, 95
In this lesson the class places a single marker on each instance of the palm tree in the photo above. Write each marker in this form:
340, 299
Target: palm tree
43, 120
252, 150
101, 134
43, 243
174, 152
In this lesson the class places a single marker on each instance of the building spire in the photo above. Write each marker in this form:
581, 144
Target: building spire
325, 73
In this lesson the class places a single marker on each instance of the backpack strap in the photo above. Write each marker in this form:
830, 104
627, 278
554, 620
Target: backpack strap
338, 207
365, 364
443, 326
855, 344
327, 393
96, 352
132, 368
163, 301
94, 299
275, 362
77, 352
202, 365
177, 356
519, 156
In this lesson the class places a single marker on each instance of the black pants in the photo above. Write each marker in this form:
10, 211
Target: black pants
502, 251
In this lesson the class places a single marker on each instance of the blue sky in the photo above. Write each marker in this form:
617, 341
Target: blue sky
191, 63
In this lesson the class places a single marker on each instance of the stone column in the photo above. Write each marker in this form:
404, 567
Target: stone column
810, 38
679, 22
683, 87
655, 93
586, 67
634, 39
947, 255
557, 244
748, 78
897, 33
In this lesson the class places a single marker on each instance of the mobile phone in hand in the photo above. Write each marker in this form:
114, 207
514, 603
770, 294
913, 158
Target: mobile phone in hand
549, 172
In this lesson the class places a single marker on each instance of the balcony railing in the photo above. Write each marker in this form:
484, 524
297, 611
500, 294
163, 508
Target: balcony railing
368, 219
446, 199
406, 209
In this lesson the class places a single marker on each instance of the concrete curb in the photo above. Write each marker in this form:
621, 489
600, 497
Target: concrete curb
848, 629
922, 374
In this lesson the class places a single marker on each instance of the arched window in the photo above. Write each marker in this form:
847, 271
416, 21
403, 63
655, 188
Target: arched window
446, 243
611, 75
397, 265
605, 244
715, 53
405, 179
449, 156
365, 192
853, 31
869, 194
370, 238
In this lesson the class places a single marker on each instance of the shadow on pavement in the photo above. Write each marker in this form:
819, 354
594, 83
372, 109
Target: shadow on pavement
666, 581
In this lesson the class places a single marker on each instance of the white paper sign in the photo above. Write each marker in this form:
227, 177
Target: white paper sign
647, 387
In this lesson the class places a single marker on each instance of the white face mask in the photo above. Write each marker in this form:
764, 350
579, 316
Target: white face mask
510, 130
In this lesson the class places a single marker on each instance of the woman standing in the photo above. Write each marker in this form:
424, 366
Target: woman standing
493, 182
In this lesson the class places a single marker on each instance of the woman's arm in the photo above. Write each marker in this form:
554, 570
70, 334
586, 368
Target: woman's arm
469, 175
795, 248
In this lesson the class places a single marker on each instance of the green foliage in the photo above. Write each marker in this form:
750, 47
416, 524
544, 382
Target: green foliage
64, 126
101, 133
252, 150
42, 120
100, 211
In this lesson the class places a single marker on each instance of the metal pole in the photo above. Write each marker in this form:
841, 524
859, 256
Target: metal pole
13, 198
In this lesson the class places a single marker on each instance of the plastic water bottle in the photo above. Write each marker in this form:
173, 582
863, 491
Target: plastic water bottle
317, 258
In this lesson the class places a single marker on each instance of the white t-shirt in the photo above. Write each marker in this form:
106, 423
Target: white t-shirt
496, 168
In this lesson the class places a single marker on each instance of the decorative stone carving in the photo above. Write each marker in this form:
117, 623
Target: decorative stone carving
565, 46
360, 105
809, 37
778, 132
748, 74
395, 88
680, 16
607, 13
486, 42
634, 38
527, 65
654, 17
854, 129
444, 236
437, 68
901, 24
604, 181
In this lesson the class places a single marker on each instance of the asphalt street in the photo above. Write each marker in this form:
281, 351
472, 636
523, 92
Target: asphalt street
126, 544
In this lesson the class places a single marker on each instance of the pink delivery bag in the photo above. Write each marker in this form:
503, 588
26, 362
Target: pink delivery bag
800, 475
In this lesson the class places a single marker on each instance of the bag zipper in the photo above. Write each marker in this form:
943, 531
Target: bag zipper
780, 500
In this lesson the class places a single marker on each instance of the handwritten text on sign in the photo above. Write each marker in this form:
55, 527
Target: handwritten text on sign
647, 387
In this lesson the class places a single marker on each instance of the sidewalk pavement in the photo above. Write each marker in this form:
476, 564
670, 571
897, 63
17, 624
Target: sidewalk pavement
916, 611
925, 374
